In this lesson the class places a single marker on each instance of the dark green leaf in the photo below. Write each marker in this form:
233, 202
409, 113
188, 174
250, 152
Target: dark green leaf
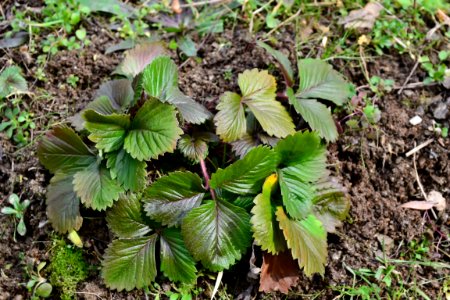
129, 172
125, 218
217, 233
230, 120
176, 262
159, 76
283, 60
246, 175
171, 197
191, 111
62, 149
245, 202
130, 263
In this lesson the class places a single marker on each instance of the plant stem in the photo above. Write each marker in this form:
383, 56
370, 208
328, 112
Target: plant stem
206, 176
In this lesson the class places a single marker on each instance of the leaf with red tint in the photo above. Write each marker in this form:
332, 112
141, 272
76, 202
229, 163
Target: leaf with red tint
278, 272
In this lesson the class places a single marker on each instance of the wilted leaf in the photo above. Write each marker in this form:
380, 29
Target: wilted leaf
230, 119
154, 131
437, 198
171, 197
125, 218
63, 205
278, 273
11, 81
18, 39
190, 110
130, 263
307, 240
129, 172
363, 18
62, 149
217, 233
176, 262
160, 76
246, 176
282, 59
138, 58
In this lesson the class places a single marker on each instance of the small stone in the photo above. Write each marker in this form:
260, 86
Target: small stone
420, 111
386, 242
440, 112
416, 120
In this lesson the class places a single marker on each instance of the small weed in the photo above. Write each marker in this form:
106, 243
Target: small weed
17, 125
18, 212
228, 75
73, 80
37, 284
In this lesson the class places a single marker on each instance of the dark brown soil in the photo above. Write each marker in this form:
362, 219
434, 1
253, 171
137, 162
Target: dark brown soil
371, 163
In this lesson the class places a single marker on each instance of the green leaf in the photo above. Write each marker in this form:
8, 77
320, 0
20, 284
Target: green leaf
107, 131
125, 218
116, 7
217, 233
187, 45
305, 154
95, 187
11, 81
171, 197
62, 149
194, 148
63, 204
283, 60
297, 195
176, 262
246, 175
245, 202
154, 131
130, 263
129, 172
316, 114
102, 105
318, 80
230, 120
258, 93
265, 227
307, 240
190, 110
159, 76
139, 57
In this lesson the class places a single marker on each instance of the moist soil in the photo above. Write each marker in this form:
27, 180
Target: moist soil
371, 163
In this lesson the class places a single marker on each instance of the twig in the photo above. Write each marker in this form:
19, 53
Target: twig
200, 3
283, 23
409, 77
417, 148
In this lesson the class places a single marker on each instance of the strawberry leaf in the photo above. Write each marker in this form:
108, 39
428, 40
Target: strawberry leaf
63, 150
191, 111
139, 57
246, 175
307, 240
286, 67
154, 131
217, 233
176, 262
159, 76
130, 263
230, 120
171, 197
129, 172
194, 148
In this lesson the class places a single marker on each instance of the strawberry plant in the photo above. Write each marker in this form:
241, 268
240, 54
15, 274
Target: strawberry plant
279, 194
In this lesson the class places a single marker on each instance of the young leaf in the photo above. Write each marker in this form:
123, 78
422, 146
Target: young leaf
62, 149
130, 263
159, 76
230, 120
171, 197
193, 148
107, 131
63, 205
119, 92
191, 111
125, 218
129, 172
95, 187
318, 80
258, 93
246, 175
217, 233
282, 59
154, 131
176, 262
307, 240
102, 105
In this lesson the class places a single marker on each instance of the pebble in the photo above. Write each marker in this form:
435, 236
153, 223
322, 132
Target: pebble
441, 111
415, 120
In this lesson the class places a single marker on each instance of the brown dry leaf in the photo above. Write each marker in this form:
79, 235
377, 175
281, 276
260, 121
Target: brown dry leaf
420, 205
443, 18
176, 7
363, 18
438, 200
278, 272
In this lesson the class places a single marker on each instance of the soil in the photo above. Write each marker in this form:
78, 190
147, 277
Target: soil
371, 163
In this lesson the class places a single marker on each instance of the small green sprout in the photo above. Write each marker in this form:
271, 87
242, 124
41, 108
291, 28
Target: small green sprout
73, 80
18, 211
37, 283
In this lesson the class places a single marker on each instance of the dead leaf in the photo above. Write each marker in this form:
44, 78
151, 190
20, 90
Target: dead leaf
442, 16
176, 8
438, 200
363, 18
16, 40
420, 205
278, 272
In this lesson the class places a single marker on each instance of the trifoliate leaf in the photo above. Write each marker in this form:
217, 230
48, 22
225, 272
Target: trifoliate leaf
190, 110
318, 80
129, 172
125, 218
130, 263
316, 114
307, 240
230, 120
63, 205
62, 149
305, 154
160, 76
138, 58
107, 131
154, 131
217, 233
246, 175
171, 197
282, 59
297, 195
258, 93
95, 187
176, 262
11, 81
193, 148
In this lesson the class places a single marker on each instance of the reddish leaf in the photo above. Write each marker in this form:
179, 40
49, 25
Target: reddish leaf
278, 272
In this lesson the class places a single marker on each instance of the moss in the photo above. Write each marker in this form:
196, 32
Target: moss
67, 268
